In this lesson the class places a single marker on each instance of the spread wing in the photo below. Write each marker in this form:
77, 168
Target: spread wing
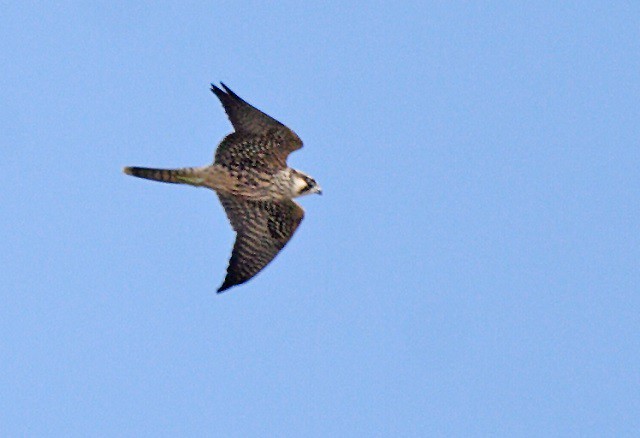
263, 228
254, 130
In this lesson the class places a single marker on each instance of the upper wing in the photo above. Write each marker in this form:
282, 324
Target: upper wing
243, 152
263, 228
247, 119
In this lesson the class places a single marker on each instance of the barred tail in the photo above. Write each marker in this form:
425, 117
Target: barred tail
187, 175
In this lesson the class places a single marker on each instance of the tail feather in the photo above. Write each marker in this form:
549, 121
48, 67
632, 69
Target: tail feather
187, 175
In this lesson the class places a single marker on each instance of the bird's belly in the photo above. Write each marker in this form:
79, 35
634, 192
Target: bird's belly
249, 185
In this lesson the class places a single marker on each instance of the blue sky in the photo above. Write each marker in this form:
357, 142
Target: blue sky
472, 268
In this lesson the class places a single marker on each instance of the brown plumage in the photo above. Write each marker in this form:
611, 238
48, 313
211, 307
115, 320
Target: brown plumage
254, 184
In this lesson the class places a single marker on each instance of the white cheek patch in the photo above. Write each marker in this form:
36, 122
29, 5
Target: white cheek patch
299, 184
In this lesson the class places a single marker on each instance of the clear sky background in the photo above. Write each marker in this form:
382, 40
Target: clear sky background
473, 267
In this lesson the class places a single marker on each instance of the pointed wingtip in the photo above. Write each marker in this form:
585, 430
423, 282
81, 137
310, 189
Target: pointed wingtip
230, 92
216, 90
230, 281
225, 285
128, 170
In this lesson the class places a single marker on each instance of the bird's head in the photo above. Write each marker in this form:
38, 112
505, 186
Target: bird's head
304, 185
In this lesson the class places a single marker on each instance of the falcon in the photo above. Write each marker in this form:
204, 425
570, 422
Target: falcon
253, 182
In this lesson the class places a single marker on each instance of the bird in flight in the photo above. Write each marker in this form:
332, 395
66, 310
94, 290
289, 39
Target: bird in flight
253, 182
